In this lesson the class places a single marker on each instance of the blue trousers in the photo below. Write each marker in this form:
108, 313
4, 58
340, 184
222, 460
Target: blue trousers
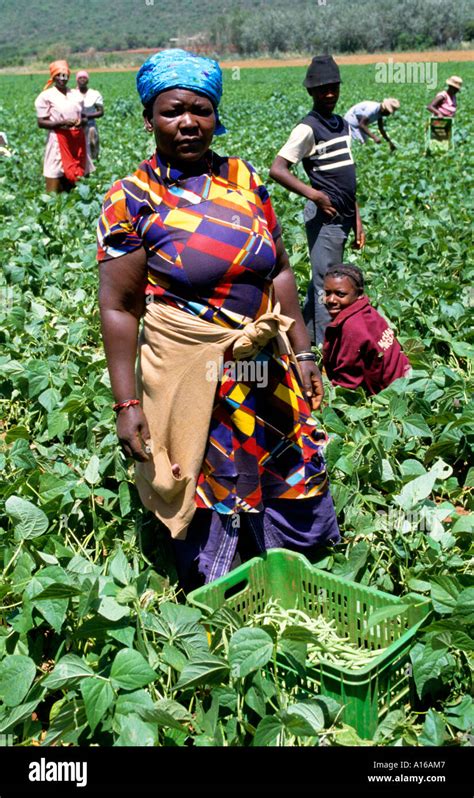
214, 546
326, 242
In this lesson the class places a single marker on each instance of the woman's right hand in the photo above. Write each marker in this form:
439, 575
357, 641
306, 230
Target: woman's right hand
134, 436
133, 433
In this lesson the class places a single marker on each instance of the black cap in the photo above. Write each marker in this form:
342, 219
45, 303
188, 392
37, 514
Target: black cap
321, 71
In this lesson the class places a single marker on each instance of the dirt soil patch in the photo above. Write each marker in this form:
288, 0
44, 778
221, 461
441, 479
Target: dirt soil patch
367, 58
267, 63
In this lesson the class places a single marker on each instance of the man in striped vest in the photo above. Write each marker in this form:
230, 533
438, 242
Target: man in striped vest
322, 143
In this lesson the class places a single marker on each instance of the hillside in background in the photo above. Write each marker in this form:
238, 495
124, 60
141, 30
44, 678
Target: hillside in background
48, 29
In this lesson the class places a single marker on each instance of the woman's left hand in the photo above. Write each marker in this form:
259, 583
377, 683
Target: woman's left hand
312, 383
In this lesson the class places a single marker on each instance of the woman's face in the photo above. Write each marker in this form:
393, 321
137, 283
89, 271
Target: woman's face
339, 293
60, 81
183, 123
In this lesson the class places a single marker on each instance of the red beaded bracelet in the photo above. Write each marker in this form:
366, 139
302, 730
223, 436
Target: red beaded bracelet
128, 403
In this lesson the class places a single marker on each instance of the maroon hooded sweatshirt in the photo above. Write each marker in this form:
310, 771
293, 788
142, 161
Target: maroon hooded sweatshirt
360, 349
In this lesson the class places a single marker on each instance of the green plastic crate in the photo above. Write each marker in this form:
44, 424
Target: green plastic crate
367, 693
439, 134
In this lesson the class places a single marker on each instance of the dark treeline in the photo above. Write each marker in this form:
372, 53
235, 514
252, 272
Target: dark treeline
53, 29
347, 26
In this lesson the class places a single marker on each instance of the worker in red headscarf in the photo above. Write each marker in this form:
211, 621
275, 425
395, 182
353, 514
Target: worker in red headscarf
61, 112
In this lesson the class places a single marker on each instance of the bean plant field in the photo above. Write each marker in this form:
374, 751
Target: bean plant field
96, 647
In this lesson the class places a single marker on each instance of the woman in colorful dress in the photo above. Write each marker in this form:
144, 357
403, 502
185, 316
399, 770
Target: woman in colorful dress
218, 416
60, 112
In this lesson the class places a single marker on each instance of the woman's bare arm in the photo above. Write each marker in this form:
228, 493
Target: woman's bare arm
433, 106
287, 295
122, 303
364, 126
384, 133
46, 123
99, 111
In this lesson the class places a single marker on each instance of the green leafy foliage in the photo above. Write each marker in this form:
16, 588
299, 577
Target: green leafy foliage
249, 649
17, 676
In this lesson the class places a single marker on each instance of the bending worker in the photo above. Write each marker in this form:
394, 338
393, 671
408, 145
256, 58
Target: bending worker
361, 115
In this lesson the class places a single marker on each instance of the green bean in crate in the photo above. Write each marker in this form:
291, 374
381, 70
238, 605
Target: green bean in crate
367, 693
320, 636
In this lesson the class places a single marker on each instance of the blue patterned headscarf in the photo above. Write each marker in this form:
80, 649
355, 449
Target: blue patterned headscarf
178, 69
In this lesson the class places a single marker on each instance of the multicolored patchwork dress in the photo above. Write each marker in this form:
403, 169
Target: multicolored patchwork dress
210, 243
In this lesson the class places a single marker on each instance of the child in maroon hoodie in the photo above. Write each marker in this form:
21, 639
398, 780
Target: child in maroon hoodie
359, 347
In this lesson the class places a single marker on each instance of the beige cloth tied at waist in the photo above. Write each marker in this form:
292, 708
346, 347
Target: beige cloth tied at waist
179, 355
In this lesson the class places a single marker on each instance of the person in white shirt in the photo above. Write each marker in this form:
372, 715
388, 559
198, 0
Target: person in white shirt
93, 108
363, 114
